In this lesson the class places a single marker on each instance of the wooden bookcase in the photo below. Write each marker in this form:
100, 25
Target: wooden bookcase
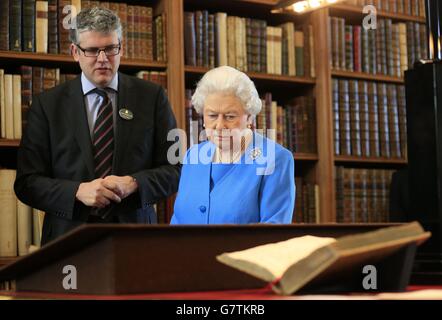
318, 167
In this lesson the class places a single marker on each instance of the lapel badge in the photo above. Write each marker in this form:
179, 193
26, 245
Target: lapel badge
255, 153
126, 114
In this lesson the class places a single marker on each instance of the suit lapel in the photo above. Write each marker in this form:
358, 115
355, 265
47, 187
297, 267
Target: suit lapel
76, 112
125, 100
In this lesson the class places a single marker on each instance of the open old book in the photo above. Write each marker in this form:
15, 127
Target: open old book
290, 265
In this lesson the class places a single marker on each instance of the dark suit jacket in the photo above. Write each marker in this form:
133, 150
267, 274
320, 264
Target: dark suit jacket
55, 154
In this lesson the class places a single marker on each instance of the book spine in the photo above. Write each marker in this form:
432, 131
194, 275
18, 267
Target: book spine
211, 35
130, 49
307, 53
349, 196
37, 80
221, 39
2, 105
277, 50
344, 118
15, 26
26, 92
263, 33
402, 119
24, 228
149, 33
285, 49
16, 98
164, 35
122, 13
41, 24
364, 116
143, 34
29, 8
9, 107
357, 49
199, 38
137, 33
53, 27
205, 38
336, 128
355, 128
393, 121
312, 52
4, 25
239, 59
299, 53
349, 47
8, 218
49, 78
190, 38
384, 133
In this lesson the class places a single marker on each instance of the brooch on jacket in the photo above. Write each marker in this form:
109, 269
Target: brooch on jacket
255, 153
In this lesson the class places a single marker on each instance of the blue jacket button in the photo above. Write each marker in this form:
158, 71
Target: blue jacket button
203, 209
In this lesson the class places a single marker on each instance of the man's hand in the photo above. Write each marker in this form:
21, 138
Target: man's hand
96, 194
121, 186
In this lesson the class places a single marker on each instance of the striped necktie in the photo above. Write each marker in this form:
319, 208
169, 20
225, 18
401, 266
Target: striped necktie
103, 148
103, 136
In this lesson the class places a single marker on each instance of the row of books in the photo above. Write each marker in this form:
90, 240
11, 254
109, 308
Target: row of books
414, 8
20, 225
248, 44
390, 49
43, 26
362, 195
158, 77
16, 91
369, 119
307, 202
164, 209
293, 126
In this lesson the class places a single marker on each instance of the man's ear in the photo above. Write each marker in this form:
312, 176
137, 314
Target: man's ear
74, 51
121, 49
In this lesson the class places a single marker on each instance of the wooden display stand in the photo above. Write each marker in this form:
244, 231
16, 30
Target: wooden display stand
135, 259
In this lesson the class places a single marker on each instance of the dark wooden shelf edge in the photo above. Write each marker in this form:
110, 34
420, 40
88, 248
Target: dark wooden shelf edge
47, 57
380, 13
260, 76
366, 76
7, 260
9, 143
343, 159
305, 156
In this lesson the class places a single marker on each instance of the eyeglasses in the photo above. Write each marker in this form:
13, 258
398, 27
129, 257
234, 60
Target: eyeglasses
112, 50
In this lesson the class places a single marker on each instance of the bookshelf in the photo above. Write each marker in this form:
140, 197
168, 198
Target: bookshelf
354, 12
362, 160
9, 143
257, 76
7, 260
366, 76
318, 167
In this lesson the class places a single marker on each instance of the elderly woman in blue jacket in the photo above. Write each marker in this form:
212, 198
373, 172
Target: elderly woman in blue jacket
237, 176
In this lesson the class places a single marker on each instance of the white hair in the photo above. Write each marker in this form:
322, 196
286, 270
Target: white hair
227, 80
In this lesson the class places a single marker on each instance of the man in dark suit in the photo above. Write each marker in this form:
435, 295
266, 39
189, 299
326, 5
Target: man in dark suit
95, 148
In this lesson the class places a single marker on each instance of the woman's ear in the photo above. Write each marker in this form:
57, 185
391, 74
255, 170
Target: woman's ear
250, 120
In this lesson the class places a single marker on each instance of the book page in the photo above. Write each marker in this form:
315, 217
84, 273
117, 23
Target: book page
278, 257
